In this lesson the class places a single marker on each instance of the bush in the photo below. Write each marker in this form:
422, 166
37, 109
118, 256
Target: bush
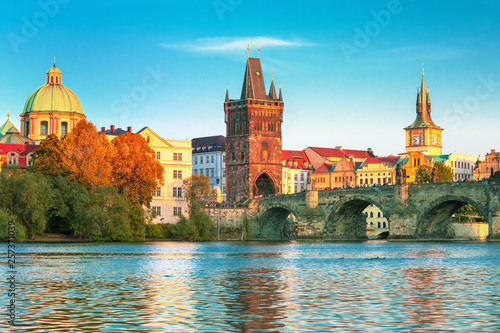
154, 231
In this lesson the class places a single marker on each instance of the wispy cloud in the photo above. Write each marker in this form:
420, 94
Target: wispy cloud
422, 52
233, 44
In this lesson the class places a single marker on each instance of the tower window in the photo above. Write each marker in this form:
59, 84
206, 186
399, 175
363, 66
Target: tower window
44, 125
51, 79
57, 80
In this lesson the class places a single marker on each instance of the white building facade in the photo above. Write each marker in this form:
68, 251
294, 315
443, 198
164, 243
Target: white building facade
209, 159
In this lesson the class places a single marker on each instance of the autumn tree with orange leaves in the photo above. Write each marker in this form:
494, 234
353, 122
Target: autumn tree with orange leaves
88, 156
135, 171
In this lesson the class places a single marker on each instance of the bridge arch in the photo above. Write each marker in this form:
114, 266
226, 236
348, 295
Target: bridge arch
346, 220
435, 220
276, 222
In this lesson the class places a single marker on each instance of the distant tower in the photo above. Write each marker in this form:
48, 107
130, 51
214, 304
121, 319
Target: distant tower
253, 137
424, 135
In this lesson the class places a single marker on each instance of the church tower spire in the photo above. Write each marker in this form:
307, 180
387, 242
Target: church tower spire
424, 135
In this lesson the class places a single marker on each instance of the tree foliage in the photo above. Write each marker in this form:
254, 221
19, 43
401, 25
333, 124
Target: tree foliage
27, 197
438, 173
136, 173
468, 213
88, 155
197, 192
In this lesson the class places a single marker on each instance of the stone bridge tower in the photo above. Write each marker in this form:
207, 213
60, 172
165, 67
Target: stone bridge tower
253, 137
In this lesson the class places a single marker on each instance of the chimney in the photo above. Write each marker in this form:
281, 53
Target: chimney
339, 147
129, 129
103, 130
112, 129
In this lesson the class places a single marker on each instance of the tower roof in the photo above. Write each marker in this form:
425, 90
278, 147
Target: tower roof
6, 127
423, 119
253, 81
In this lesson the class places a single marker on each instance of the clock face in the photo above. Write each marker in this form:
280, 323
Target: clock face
416, 140
434, 140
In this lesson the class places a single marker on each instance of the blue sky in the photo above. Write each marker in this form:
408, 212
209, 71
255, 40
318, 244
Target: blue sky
349, 69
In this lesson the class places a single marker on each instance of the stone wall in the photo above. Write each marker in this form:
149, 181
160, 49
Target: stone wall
233, 222
470, 231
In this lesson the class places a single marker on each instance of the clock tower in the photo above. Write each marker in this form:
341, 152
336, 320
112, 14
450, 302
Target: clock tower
424, 135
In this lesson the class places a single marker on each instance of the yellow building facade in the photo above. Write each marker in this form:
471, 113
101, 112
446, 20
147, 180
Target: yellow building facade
377, 171
169, 201
51, 109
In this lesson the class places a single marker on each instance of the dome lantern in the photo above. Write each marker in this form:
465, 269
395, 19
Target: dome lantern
54, 75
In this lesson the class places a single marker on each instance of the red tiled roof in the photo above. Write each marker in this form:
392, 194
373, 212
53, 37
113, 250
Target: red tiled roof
336, 152
290, 157
325, 168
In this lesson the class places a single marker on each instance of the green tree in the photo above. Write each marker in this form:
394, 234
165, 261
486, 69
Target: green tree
439, 172
19, 228
27, 197
468, 213
198, 192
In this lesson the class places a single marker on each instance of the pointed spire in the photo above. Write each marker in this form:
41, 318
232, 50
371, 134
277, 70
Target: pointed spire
8, 115
227, 91
423, 93
272, 89
280, 96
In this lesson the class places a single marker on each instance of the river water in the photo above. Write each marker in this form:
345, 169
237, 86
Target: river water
257, 287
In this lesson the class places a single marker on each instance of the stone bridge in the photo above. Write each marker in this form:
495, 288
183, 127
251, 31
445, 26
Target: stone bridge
414, 212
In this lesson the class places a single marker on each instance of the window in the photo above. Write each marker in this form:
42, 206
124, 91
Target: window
233, 156
157, 192
196, 160
371, 214
177, 211
44, 127
242, 156
158, 155
201, 172
302, 176
156, 210
177, 192
224, 158
177, 174
208, 157
384, 225
207, 172
177, 156
212, 172
378, 214
195, 171
12, 159
378, 224
64, 128
201, 159
212, 159
223, 172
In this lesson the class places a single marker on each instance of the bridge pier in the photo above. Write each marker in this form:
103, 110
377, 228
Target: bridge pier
494, 210
403, 223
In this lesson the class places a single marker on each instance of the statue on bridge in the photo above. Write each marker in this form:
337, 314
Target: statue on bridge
400, 175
